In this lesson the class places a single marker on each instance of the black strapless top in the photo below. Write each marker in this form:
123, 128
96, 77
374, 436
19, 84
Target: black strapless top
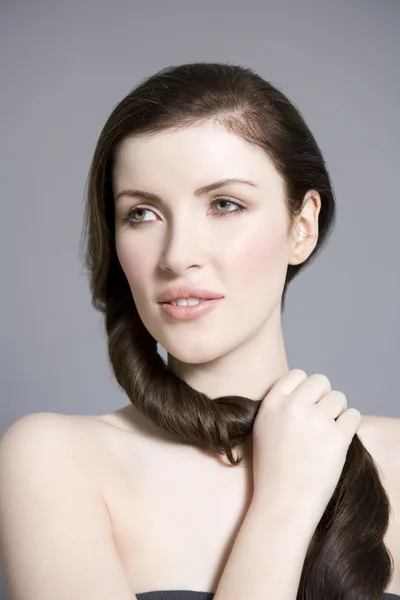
192, 595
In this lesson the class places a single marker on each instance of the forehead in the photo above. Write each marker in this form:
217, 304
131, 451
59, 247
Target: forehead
202, 152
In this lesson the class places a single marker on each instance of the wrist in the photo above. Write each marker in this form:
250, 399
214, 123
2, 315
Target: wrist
282, 516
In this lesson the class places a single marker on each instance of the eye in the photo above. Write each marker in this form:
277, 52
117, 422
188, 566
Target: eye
133, 222
221, 199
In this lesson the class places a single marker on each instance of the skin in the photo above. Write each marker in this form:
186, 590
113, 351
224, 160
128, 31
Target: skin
128, 517
243, 256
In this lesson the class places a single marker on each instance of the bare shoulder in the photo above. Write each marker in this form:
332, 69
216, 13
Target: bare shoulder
53, 513
381, 437
96, 443
47, 439
35, 431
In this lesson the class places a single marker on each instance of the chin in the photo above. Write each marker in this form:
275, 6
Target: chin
189, 347
191, 353
192, 356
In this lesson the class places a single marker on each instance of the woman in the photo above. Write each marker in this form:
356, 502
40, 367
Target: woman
151, 500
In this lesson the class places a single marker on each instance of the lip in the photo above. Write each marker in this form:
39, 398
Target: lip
187, 313
183, 292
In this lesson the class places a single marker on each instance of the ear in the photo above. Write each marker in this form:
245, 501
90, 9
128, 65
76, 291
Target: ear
304, 233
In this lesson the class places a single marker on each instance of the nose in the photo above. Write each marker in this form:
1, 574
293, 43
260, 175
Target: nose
184, 246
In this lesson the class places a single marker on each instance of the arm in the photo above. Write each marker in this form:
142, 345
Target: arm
267, 557
55, 532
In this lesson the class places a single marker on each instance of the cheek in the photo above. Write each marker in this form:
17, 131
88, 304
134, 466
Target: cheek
133, 262
260, 257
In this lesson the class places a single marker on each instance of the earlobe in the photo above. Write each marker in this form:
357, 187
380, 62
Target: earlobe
303, 246
297, 252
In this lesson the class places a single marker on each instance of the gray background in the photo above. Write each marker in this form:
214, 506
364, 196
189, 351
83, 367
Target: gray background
64, 66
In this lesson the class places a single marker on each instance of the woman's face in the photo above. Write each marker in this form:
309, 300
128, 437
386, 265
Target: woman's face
233, 240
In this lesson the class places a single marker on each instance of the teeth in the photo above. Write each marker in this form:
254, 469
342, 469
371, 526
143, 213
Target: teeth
187, 301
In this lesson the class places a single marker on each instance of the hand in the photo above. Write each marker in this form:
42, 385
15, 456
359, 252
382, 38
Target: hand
301, 435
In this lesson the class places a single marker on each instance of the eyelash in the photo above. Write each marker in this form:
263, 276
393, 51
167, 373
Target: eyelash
128, 216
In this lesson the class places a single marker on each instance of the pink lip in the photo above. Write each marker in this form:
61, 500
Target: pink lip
185, 313
177, 293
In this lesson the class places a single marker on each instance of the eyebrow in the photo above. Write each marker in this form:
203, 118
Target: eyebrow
199, 192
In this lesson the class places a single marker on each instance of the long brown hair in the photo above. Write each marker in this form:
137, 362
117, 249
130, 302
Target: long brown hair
347, 557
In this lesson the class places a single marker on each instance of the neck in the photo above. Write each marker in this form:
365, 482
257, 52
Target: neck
250, 369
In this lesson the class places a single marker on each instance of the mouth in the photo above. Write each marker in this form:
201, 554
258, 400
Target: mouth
187, 302
182, 310
187, 293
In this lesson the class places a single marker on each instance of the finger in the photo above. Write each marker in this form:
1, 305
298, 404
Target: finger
349, 422
289, 382
333, 404
312, 389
